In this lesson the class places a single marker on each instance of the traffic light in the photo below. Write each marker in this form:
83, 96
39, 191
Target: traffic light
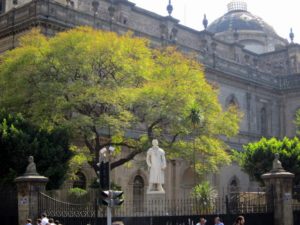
106, 198
116, 197
112, 198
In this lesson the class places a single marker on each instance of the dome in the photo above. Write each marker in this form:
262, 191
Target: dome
239, 25
240, 20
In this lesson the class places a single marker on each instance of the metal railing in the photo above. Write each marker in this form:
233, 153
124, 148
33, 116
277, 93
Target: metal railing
88, 206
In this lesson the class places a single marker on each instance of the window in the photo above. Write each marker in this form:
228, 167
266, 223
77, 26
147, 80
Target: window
264, 122
233, 185
233, 189
80, 182
2, 6
138, 193
232, 101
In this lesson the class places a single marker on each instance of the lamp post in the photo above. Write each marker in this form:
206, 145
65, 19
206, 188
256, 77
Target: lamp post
95, 5
111, 11
104, 173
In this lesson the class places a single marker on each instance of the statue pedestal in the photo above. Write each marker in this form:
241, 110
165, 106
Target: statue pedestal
156, 203
279, 184
29, 187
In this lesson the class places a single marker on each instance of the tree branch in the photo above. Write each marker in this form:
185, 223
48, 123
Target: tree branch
150, 128
129, 157
89, 145
117, 144
97, 139
174, 139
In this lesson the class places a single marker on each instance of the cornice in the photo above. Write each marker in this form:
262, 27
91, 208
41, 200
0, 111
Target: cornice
59, 17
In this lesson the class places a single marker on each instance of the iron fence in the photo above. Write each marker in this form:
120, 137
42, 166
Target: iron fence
88, 206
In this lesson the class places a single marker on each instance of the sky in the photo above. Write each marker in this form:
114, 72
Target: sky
281, 15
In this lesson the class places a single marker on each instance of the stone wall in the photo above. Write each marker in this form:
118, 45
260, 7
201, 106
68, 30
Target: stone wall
254, 81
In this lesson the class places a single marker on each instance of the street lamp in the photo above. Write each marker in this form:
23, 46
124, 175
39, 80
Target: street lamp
109, 197
95, 5
111, 10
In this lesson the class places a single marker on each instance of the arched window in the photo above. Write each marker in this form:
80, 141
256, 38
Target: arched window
138, 193
80, 181
232, 101
264, 122
233, 193
234, 185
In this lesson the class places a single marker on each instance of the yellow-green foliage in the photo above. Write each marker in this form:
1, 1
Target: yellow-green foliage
100, 85
257, 157
298, 122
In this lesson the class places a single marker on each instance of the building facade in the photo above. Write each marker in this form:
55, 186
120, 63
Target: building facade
253, 67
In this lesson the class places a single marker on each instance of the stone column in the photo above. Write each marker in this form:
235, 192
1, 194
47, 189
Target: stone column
279, 184
29, 185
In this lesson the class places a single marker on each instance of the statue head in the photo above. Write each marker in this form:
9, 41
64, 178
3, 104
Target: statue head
30, 159
155, 142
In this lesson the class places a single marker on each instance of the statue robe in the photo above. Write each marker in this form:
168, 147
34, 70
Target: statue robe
157, 162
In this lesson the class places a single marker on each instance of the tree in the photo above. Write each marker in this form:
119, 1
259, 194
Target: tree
19, 139
257, 158
206, 196
115, 90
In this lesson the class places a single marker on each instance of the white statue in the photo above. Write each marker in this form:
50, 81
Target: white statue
156, 162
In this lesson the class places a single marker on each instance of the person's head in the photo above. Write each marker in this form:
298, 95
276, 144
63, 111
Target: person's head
39, 221
51, 220
202, 221
57, 222
44, 215
155, 142
240, 220
217, 220
28, 220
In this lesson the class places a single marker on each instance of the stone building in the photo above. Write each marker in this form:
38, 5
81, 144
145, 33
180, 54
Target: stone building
253, 67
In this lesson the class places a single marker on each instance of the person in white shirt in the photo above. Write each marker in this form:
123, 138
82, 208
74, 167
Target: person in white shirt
51, 221
202, 221
45, 220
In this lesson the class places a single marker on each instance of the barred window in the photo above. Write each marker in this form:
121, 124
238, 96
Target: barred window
138, 193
